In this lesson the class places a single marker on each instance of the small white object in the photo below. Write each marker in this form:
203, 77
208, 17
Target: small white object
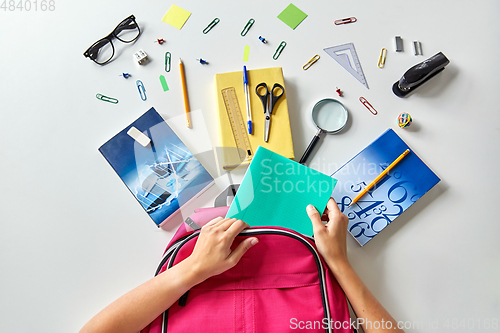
141, 56
138, 136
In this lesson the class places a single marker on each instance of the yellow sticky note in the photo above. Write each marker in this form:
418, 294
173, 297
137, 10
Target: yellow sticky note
176, 16
246, 53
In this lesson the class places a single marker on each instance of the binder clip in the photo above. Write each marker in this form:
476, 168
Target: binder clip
203, 62
141, 57
125, 75
419, 74
262, 39
160, 41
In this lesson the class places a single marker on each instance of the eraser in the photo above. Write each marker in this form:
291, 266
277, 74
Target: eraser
138, 136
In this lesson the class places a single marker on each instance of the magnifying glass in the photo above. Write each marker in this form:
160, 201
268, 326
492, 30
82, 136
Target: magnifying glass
330, 117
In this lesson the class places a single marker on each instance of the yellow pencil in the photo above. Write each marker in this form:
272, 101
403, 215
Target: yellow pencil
379, 177
185, 93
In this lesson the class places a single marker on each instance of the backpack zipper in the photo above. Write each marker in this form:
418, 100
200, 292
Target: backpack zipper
174, 249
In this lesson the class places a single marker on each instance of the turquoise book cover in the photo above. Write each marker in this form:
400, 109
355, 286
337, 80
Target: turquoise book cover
407, 182
275, 191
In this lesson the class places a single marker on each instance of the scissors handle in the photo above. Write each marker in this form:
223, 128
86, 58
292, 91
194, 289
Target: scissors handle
263, 98
274, 98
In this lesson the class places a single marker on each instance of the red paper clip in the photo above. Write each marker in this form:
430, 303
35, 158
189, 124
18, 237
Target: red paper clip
368, 105
345, 21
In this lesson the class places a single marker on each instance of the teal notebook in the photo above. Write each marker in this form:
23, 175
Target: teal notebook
276, 191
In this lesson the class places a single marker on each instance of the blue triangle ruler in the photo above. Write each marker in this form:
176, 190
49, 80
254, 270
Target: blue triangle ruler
338, 53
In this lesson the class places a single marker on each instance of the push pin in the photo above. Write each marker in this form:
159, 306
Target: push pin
160, 41
203, 62
125, 75
262, 39
338, 91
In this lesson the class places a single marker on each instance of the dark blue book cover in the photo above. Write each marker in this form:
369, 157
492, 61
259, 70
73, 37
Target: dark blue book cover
407, 182
164, 175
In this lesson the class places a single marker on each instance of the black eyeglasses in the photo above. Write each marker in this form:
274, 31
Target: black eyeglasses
102, 51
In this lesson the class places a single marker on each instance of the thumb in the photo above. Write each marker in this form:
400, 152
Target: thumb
243, 247
315, 217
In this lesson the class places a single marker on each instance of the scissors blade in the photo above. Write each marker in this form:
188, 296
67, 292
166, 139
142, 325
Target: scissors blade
268, 124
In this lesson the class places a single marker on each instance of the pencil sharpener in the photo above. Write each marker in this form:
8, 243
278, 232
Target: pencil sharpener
141, 57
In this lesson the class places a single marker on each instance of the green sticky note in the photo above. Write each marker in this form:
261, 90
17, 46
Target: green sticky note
163, 83
276, 191
176, 16
246, 53
292, 16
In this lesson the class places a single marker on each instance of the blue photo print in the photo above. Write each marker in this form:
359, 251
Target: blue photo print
163, 175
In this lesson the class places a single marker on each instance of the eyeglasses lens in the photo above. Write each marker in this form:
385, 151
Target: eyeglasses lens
127, 31
101, 51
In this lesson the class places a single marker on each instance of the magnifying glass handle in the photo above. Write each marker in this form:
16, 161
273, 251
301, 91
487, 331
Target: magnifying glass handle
310, 148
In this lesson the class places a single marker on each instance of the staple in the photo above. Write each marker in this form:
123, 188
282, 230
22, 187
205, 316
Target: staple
399, 44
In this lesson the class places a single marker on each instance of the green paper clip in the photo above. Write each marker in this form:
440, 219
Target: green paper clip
248, 26
106, 98
279, 50
211, 25
167, 61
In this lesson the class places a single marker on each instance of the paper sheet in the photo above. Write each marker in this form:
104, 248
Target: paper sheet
176, 16
292, 16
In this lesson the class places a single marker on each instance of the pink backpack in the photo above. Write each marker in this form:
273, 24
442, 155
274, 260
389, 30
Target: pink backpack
279, 285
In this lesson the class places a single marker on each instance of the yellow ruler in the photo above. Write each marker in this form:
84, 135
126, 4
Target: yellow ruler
243, 152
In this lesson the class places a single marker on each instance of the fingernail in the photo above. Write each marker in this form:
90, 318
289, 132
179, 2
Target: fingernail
254, 241
310, 208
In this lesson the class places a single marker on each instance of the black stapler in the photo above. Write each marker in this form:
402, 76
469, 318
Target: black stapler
419, 74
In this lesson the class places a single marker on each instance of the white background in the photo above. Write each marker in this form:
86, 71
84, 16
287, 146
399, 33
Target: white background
73, 238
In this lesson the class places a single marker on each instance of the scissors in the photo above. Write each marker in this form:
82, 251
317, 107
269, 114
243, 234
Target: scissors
268, 107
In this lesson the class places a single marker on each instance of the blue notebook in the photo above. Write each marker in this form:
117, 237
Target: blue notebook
408, 181
163, 175
276, 191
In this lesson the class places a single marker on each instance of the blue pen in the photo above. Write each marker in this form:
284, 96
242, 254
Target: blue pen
247, 95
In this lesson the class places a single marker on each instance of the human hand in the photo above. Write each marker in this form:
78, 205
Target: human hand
212, 253
330, 238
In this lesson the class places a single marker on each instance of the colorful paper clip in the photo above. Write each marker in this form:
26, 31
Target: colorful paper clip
381, 59
106, 98
211, 25
310, 62
368, 105
279, 50
142, 90
345, 21
167, 61
247, 27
